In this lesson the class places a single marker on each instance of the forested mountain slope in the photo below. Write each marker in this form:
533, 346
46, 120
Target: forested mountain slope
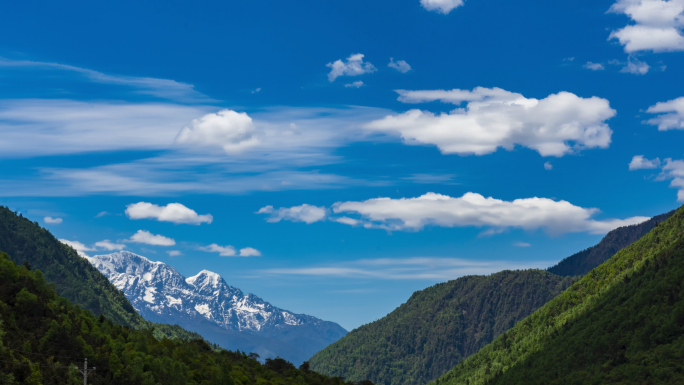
581, 263
621, 323
74, 277
42, 337
438, 327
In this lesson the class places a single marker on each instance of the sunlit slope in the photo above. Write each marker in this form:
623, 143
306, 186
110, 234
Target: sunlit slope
438, 327
621, 323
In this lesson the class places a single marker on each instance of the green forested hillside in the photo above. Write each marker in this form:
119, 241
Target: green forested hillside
438, 327
621, 323
42, 337
581, 263
74, 277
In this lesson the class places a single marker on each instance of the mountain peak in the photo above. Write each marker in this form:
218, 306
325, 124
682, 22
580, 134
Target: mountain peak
204, 278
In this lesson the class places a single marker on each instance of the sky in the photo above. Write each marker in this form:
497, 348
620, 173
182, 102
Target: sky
334, 157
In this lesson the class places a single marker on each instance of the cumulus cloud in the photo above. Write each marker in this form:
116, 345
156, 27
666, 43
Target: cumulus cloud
52, 221
672, 170
356, 84
401, 66
174, 253
250, 252
352, 67
441, 6
234, 131
594, 66
107, 245
671, 115
78, 246
554, 126
304, 213
639, 162
143, 236
173, 212
548, 166
412, 214
657, 25
636, 67
224, 251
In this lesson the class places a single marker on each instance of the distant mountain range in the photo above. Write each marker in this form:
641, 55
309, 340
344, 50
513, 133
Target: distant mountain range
444, 324
223, 314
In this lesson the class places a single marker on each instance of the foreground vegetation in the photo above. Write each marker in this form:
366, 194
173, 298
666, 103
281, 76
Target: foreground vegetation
621, 323
438, 327
43, 336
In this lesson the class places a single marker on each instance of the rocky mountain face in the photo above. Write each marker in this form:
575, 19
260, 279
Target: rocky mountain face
222, 314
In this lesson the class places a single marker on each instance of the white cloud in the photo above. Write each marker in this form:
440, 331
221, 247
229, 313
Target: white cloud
106, 244
234, 131
143, 236
250, 252
522, 244
353, 67
52, 221
101, 214
412, 214
31, 127
594, 66
674, 170
347, 221
173, 212
224, 251
401, 66
407, 268
636, 67
554, 126
548, 166
163, 88
441, 6
256, 91
671, 115
356, 84
304, 213
658, 25
639, 162
174, 253
78, 246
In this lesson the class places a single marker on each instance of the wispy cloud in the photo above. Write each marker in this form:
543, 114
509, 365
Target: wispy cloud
162, 88
407, 268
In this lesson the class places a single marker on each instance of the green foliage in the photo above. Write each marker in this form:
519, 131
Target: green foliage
438, 327
581, 263
622, 323
44, 343
73, 277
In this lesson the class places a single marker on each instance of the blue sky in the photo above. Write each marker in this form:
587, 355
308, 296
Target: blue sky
498, 135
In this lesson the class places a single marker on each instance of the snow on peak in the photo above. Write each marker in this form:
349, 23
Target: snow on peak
204, 278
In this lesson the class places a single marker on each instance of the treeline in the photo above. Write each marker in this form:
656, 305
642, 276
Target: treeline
44, 339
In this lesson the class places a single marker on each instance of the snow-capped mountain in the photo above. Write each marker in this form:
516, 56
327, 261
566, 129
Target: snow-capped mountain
206, 304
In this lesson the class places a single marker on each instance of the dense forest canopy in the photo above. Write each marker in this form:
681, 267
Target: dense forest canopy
621, 323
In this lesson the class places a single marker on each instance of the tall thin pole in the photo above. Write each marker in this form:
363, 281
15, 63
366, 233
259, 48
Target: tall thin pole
85, 372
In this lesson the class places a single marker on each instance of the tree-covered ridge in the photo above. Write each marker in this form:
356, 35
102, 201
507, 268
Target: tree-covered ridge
438, 327
582, 262
622, 323
42, 337
73, 277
